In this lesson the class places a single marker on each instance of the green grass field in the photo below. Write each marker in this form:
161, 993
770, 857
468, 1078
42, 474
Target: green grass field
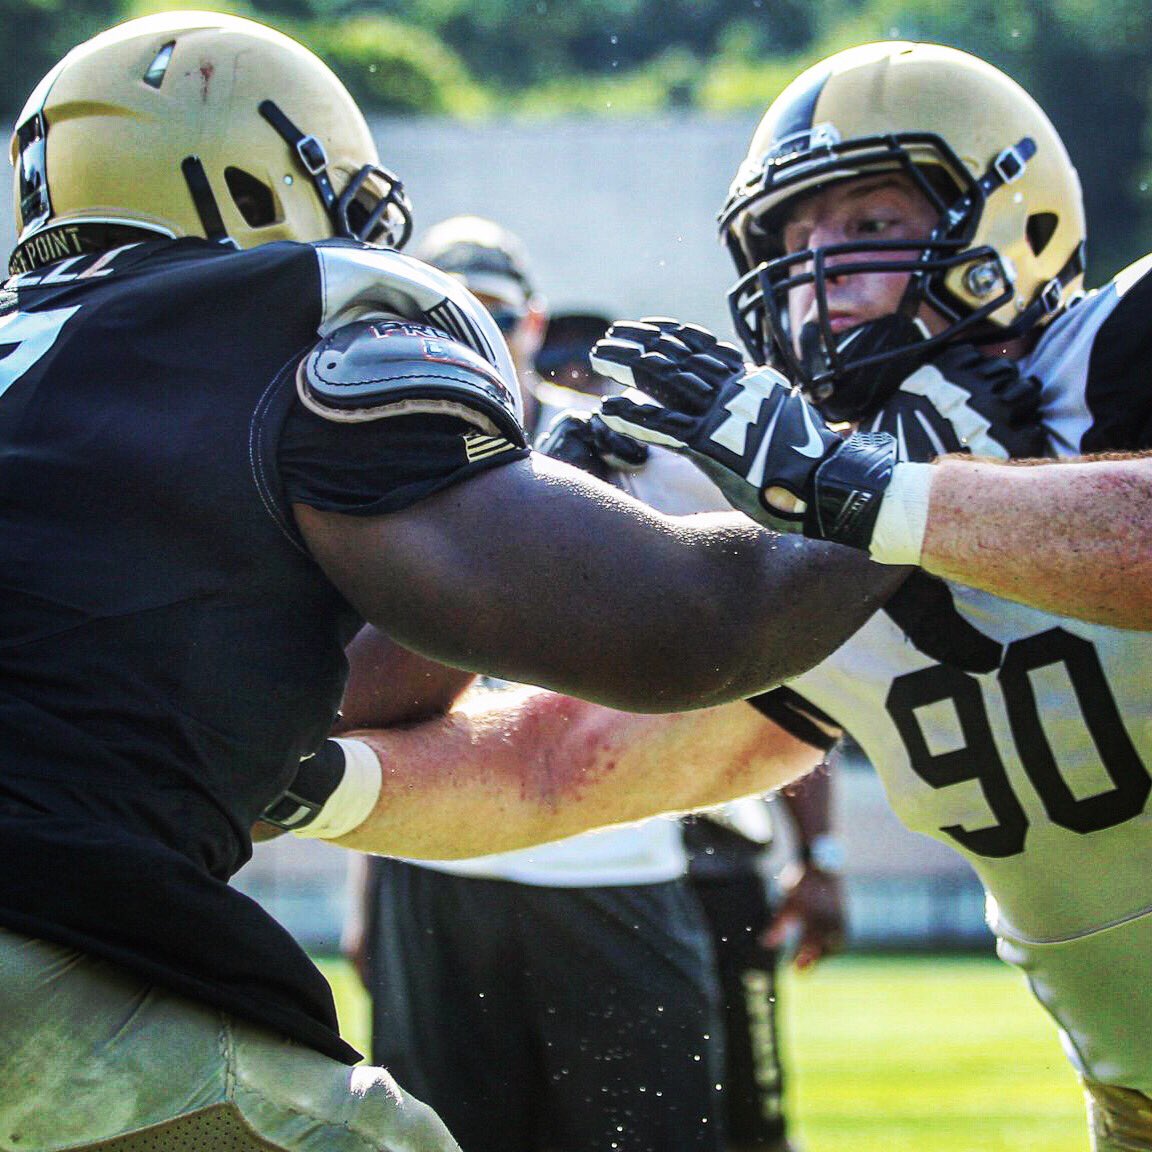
927, 1054
947, 1054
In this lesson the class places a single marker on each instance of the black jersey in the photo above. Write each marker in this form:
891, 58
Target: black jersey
168, 648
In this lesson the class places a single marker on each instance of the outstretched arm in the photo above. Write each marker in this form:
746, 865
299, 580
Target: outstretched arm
539, 574
1067, 537
510, 769
1070, 537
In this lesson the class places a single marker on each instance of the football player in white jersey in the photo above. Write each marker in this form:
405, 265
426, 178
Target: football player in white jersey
902, 205
1020, 738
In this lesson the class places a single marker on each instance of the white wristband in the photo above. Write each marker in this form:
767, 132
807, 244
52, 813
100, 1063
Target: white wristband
354, 798
898, 537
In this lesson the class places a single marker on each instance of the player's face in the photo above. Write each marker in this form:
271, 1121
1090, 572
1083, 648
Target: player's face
873, 208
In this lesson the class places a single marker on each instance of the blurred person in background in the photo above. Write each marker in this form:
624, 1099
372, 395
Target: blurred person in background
751, 925
592, 1000
493, 263
756, 923
563, 365
559, 997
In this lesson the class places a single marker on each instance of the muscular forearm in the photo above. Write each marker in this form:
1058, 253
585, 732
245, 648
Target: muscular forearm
1072, 538
537, 574
524, 767
388, 684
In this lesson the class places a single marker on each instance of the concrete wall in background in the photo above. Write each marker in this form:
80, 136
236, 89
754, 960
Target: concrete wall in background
617, 215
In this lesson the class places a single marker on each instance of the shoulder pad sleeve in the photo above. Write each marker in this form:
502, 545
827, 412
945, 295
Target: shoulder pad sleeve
369, 370
365, 283
797, 717
964, 401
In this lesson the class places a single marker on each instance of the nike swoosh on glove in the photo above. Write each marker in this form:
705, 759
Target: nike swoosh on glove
747, 428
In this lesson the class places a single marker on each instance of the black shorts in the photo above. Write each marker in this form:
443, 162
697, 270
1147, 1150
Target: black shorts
738, 910
535, 1017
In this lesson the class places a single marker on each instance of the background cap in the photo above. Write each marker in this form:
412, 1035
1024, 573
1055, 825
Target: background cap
488, 258
569, 339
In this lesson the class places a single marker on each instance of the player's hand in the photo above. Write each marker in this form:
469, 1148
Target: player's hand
748, 429
583, 440
964, 401
814, 908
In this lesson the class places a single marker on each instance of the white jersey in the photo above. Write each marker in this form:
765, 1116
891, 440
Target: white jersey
1095, 364
1038, 772
649, 852
1025, 740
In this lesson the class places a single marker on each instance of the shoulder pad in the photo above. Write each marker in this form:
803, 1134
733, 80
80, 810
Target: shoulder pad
369, 370
365, 283
965, 401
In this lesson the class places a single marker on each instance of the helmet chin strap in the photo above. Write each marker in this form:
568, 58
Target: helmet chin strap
205, 202
847, 392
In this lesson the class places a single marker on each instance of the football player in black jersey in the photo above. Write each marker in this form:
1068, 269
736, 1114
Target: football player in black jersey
235, 423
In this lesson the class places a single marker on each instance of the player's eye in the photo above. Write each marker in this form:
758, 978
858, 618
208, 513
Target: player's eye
876, 225
796, 236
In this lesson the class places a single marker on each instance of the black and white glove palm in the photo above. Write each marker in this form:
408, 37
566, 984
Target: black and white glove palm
747, 428
583, 440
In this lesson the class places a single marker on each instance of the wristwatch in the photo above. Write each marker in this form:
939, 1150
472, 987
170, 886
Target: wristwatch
823, 851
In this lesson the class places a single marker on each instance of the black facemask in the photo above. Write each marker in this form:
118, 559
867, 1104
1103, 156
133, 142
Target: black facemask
853, 393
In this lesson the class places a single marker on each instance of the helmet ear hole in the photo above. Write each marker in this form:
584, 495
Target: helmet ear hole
252, 197
1039, 229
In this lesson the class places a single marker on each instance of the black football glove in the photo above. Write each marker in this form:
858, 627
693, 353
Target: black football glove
583, 440
964, 401
753, 434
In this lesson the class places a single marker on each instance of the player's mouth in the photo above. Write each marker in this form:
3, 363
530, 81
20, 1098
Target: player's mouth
841, 320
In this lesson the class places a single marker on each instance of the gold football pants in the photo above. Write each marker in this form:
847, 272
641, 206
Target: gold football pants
93, 1057
1119, 1119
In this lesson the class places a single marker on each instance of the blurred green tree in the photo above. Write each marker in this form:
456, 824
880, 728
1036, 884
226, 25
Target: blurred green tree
393, 67
33, 36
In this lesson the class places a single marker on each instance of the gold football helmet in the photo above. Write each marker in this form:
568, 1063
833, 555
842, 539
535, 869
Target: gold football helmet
196, 124
1007, 252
